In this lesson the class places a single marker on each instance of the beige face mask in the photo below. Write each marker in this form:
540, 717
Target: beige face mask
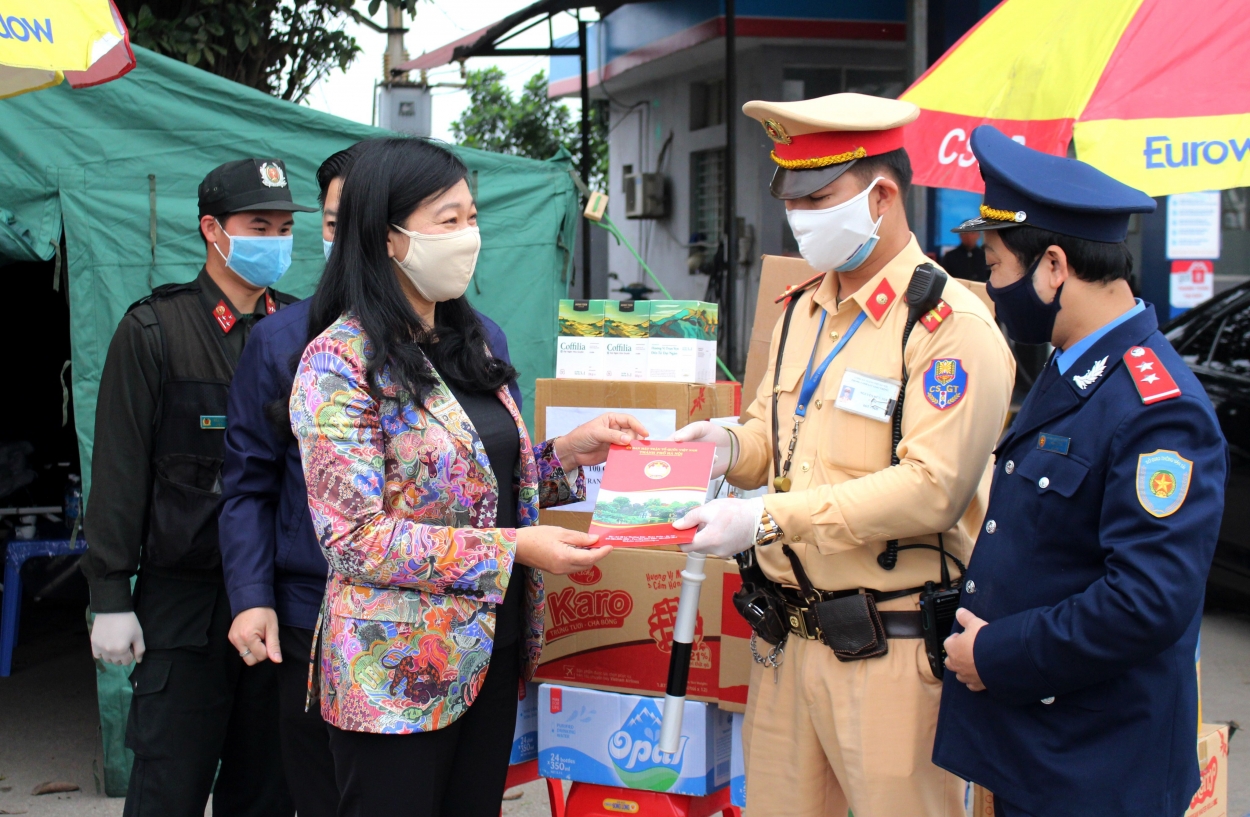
440, 266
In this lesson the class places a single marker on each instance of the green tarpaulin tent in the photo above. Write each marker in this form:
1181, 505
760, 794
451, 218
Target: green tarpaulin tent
117, 166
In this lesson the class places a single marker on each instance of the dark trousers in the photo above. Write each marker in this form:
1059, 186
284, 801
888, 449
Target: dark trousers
200, 713
305, 736
457, 771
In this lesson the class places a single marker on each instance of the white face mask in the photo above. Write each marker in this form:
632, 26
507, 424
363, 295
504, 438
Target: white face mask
837, 238
440, 266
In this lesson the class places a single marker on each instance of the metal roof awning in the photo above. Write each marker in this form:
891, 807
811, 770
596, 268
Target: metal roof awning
486, 42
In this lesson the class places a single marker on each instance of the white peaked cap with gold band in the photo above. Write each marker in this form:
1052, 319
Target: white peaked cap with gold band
817, 140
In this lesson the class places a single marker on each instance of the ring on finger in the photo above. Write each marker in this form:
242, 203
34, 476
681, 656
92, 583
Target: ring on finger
246, 652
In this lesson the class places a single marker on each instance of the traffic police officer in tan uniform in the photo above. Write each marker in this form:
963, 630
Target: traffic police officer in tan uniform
838, 531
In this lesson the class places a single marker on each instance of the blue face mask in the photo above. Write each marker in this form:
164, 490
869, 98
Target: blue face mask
327, 246
259, 260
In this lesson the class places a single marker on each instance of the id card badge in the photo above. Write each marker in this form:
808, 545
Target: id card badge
868, 395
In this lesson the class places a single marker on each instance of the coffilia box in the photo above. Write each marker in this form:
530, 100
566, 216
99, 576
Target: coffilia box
682, 345
626, 325
579, 348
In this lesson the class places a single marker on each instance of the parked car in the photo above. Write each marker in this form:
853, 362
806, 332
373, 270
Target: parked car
1214, 339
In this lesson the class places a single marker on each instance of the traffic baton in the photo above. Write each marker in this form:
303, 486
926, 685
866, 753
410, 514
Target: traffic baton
679, 661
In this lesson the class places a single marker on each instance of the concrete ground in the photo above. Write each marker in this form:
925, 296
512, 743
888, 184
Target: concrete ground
49, 721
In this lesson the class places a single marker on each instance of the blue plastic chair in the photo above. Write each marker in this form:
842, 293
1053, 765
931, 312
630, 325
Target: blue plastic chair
19, 550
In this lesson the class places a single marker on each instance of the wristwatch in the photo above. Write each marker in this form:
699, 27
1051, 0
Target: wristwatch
768, 531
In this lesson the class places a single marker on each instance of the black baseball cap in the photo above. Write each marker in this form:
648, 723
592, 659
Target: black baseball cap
248, 184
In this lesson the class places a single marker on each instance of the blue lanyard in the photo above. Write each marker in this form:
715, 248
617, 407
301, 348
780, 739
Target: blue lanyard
812, 379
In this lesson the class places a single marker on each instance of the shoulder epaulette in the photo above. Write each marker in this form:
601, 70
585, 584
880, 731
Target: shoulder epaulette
1149, 375
932, 319
165, 291
791, 291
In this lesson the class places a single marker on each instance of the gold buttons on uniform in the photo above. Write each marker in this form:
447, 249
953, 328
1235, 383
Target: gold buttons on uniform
818, 404
833, 336
805, 466
776, 389
796, 538
881, 298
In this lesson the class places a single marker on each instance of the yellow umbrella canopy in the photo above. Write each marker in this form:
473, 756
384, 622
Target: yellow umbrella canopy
45, 41
1155, 93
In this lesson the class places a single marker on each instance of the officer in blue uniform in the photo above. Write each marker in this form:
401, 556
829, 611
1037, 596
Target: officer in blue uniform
1071, 687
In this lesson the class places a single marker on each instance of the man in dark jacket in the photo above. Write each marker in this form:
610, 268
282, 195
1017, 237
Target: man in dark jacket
967, 261
275, 571
200, 721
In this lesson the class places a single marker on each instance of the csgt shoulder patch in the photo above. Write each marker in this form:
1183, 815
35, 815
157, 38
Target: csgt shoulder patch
1163, 481
945, 382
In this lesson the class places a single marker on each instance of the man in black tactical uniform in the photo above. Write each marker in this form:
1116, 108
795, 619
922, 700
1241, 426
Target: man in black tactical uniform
156, 484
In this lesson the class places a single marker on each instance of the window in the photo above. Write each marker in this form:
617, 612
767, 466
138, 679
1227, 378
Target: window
809, 83
707, 104
707, 195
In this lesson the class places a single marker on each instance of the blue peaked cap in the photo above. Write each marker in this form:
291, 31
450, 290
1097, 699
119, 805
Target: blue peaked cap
1066, 196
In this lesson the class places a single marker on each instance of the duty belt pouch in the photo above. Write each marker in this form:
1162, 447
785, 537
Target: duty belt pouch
850, 625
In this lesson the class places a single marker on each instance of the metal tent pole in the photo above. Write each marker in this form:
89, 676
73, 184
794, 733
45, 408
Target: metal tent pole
729, 310
582, 55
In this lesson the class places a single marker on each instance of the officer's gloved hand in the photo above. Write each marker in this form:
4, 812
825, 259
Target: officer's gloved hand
707, 432
117, 638
726, 526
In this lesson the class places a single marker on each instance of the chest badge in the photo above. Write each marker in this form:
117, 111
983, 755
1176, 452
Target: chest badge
1163, 481
213, 422
945, 382
1054, 443
1084, 381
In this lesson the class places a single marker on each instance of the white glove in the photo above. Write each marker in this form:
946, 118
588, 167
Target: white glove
117, 638
707, 432
726, 526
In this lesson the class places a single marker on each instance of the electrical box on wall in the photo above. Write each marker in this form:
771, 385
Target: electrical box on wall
645, 196
404, 108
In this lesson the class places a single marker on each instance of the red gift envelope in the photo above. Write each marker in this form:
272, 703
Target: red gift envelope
646, 487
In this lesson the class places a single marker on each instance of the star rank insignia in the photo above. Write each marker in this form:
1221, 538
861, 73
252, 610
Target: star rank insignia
224, 317
932, 319
1149, 376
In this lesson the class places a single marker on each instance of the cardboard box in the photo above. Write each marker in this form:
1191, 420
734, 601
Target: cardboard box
1211, 799
687, 402
737, 765
626, 325
525, 733
579, 348
776, 273
609, 739
735, 646
682, 347
611, 626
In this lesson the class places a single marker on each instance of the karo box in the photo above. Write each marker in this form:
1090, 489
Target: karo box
610, 739
525, 733
611, 626
1211, 799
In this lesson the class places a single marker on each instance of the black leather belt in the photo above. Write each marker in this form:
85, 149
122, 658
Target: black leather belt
897, 623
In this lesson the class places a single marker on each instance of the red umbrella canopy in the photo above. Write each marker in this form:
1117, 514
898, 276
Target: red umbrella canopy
1154, 92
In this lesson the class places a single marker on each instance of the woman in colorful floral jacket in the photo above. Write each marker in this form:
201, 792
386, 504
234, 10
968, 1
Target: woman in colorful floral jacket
424, 490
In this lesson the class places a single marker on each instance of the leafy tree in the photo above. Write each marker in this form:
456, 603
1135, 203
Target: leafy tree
532, 124
280, 47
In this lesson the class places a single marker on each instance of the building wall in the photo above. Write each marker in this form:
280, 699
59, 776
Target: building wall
645, 113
